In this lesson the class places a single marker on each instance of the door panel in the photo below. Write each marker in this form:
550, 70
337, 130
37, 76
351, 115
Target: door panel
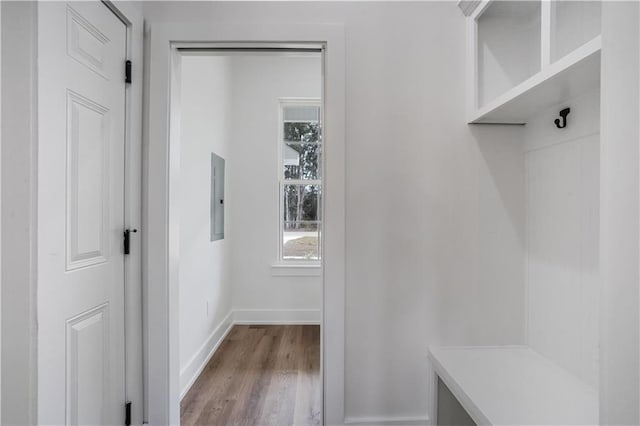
86, 43
87, 180
87, 371
81, 128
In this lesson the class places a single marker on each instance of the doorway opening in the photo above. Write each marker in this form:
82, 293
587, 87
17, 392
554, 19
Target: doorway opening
247, 159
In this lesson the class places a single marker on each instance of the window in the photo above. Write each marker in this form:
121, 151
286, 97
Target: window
300, 180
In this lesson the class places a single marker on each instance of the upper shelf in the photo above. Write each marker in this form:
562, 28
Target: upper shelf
514, 385
572, 75
527, 55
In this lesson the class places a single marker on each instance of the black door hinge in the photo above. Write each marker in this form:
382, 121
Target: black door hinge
127, 71
127, 413
127, 232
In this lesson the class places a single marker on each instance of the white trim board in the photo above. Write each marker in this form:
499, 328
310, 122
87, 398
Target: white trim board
296, 270
0, 207
277, 316
197, 363
387, 421
131, 15
467, 7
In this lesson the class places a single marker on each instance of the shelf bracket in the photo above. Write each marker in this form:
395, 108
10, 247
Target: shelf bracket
495, 123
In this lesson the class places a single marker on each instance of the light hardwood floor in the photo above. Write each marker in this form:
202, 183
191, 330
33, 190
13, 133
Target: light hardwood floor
260, 375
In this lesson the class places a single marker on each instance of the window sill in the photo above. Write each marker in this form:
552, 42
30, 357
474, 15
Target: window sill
287, 270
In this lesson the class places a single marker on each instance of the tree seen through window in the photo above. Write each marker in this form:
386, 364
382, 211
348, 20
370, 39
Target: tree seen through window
301, 183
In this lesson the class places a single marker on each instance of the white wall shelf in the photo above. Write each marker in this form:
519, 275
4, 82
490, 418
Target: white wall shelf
525, 56
507, 47
514, 385
574, 74
573, 23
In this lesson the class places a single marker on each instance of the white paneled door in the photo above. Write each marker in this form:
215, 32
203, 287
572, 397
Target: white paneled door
81, 131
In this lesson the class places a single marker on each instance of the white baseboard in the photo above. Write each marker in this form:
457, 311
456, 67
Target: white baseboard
387, 421
275, 316
196, 364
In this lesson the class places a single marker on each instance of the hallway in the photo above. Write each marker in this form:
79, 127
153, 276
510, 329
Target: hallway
260, 375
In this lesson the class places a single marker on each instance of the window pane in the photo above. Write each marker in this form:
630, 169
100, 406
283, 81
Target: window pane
301, 203
300, 241
302, 132
302, 161
302, 113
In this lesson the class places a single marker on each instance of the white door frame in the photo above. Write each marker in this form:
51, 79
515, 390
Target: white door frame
134, 384
161, 221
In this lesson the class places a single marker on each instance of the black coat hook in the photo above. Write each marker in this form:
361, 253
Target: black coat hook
563, 114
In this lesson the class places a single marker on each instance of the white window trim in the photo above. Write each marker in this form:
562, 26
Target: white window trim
294, 267
289, 270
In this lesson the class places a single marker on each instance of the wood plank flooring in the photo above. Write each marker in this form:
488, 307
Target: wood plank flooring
260, 375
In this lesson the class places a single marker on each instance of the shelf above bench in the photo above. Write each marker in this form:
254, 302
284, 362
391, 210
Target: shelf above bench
572, 75
514, 385
525, 56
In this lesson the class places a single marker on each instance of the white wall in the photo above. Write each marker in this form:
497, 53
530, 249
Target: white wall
19, 165
619, 188
563, 221
205, 284
421, 266
258, 83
